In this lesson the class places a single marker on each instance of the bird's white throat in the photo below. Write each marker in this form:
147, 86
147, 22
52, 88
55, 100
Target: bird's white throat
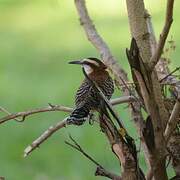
87, 69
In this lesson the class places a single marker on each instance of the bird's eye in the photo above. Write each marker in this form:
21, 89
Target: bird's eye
89, 61
87, 69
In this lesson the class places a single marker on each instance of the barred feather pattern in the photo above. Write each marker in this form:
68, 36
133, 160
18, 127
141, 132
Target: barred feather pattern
87, 97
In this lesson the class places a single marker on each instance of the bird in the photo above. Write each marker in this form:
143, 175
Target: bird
87, 97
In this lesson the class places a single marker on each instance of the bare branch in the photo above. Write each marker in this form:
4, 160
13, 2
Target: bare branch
24, 114
160, 46
76, 146
51, 130
173, 120
100, 171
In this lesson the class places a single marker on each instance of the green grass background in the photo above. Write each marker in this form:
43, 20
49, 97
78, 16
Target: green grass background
37, 39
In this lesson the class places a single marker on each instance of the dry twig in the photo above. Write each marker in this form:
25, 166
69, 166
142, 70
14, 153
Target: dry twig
171, 73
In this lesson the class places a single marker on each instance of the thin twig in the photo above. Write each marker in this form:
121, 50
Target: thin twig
51, 130
168, 21
173, 120
100, 171
24, 114
171, 73
78, 148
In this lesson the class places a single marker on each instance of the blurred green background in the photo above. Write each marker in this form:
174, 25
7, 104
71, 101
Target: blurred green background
37, 39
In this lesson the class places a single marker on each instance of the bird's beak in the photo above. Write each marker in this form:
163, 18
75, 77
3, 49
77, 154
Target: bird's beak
76, 62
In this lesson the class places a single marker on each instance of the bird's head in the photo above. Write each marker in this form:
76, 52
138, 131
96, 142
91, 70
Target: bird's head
90, 64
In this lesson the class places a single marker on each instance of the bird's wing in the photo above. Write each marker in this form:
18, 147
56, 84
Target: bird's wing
107, 87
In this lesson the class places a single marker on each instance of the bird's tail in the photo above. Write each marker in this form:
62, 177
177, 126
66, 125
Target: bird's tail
78, 116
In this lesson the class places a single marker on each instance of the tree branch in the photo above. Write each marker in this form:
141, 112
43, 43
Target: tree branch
51, 130
163, 36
